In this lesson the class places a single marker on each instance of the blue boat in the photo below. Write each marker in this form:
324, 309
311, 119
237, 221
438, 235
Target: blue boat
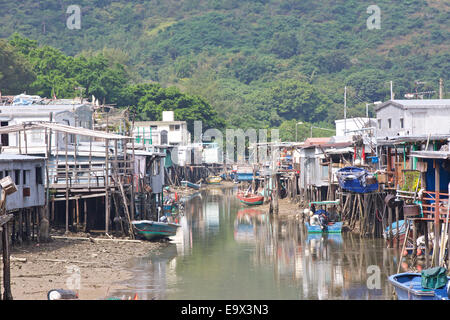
189, 184
332, 227
408, 287
151, 230
357, 180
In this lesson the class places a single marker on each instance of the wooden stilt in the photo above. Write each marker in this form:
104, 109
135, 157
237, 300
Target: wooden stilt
427, 246
7, 295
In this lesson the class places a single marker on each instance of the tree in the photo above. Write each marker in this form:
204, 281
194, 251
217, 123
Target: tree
284, 44
150, 100
295, 99
15, 72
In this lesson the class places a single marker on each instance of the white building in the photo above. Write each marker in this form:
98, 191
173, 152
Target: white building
348, 127
166, 132
413, 118
77, 115
28, 175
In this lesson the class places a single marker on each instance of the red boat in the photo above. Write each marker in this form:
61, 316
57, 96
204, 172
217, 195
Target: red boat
250, 199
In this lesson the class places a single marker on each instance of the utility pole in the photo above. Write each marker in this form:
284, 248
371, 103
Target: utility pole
367, 110
345, 111
441, 88
392, 92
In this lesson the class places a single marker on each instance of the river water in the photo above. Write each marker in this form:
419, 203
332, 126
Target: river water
225, 250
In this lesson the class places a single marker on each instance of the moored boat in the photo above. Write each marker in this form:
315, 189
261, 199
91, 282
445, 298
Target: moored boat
322, 221
357, 180
332, 227
151, 230
189, 184
250, 199
214, 180
400, 237
408, 286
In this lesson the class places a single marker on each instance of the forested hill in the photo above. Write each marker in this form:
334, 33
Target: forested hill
260, 63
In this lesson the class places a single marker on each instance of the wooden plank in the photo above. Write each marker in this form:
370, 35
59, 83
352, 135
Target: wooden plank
5, 219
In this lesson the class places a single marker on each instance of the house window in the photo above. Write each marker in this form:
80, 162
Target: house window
4, 137
401, 123
17, 176
379, 123
38, 175
389, 123
174, 127
164, 137
24, 177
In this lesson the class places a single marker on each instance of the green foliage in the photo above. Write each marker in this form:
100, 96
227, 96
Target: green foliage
258, 63
62, 75
150, 100
15, 72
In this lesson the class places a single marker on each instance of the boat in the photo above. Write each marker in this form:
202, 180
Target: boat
400, 238
408, 286
151, 230
357, 180
250, 199
332, 227
189, 184
214, 180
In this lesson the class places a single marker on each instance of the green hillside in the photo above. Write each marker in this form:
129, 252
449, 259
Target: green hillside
258, 63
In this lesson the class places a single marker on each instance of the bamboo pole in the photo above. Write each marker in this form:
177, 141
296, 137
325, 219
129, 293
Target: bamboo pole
398, 228
67, 185
437, 227
391, 240
7, 295
427, 246
106, 186
85, 215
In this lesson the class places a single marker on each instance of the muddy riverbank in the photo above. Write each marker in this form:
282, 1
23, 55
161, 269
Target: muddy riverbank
39, 267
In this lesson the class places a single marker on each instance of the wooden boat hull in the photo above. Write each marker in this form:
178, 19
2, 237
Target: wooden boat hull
408, 287
400, 238
190, 185
214, 180
252, 200
335, 227
151, 230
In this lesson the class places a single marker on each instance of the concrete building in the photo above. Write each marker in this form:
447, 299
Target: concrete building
413, 118
165, 132
348, 127
28, 174
72, 114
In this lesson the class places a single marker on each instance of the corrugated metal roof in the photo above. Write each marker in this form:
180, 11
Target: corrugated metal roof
416, 103
405, 139
424, 102
430, 154
18, 157
62, 128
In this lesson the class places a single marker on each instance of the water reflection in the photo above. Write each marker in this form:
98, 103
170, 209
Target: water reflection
226, 251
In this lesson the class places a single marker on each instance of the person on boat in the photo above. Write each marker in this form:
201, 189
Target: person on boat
313, 219
323, 218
